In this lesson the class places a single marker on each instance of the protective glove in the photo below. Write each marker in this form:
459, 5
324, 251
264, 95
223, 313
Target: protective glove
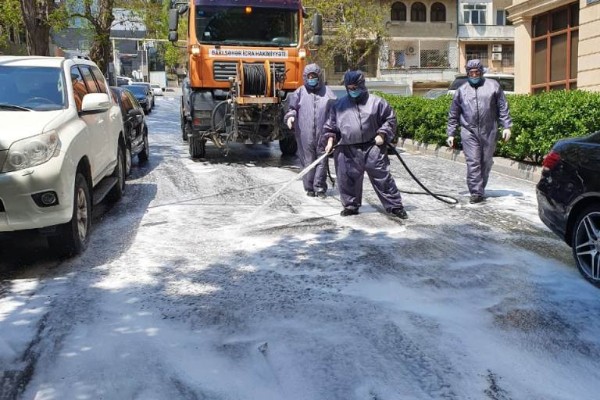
290, 122
329, 146
379, 140
450, 141
506, 134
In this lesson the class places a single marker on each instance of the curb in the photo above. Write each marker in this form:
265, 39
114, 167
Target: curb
516, 169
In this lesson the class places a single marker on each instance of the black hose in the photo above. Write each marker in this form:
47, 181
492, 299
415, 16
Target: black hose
437, 196
255, 79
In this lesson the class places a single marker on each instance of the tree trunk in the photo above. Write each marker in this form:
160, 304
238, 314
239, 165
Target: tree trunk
101, 49
35, 18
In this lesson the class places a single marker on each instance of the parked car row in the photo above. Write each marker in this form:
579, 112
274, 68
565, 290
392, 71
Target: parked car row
73, 152
145, 96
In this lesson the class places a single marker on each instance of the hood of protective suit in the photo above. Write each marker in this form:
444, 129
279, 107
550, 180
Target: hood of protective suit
356, 78
312, 69
475, 64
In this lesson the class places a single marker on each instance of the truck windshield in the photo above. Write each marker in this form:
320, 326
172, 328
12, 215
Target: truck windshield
247, 26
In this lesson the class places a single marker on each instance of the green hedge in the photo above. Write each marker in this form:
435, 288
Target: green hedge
538, 120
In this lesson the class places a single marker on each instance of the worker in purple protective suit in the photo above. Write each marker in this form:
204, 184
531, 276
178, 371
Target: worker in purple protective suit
477, 106
361, 124
308, 109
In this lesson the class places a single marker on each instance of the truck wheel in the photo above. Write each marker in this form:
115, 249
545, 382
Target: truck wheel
197, 147
288, 146
72, 237
118, 189
186, 128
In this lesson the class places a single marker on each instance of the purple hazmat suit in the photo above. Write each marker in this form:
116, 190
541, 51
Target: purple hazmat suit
309, 106
353, 123
477, 108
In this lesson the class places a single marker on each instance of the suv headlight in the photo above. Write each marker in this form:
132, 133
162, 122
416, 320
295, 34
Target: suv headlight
32, 151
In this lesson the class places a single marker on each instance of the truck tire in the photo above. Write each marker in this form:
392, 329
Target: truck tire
197, 147
186, 128
288, 146
72, 238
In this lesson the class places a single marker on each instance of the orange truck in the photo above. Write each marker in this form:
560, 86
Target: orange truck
245, 58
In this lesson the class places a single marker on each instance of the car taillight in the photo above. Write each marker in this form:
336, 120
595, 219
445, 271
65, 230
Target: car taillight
551, 160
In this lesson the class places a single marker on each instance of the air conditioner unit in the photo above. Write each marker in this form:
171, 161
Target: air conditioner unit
411, 49
497, 48
496, 56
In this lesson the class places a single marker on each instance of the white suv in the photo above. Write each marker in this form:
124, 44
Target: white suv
61, 147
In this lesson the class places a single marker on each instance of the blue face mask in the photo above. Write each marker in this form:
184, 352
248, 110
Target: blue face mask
474, 81
354, 93
312, 82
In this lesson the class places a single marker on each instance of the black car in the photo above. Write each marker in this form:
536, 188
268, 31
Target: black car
568, 196
142, 94
134, 123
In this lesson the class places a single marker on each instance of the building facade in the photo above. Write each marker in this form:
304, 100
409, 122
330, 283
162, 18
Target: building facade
558, 44
430, 41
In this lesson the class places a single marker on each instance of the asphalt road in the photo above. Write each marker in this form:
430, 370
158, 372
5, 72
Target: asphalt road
198, 286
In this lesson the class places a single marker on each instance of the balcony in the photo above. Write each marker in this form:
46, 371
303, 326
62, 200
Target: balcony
486, 32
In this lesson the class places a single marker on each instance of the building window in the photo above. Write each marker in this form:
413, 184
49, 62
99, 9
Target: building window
474, 14
340, 64
477, 52
508, 55
398, 11
434, 58
502, 18
438, 12
555, 42
418, 13
397, 58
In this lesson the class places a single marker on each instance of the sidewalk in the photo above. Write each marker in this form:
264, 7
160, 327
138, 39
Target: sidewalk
505, 166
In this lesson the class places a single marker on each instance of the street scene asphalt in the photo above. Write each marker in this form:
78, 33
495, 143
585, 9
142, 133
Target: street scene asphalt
218, 278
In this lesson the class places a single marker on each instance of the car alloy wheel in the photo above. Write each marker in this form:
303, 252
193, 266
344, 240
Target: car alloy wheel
586, 244
72, 237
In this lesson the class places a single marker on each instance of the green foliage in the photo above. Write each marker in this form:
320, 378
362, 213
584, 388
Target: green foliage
175, 54
538, 120
10, 17
423, 120
353, 29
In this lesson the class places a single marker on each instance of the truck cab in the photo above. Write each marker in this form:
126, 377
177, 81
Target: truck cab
244, 61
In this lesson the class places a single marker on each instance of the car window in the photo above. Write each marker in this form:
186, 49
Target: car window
79, 87
90, 82
458, 82
137, 89
126, 101
132, 100
99, 79
507, 84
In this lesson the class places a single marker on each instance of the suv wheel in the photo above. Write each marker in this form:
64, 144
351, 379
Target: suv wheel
116, 192
72, 237
586, 243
